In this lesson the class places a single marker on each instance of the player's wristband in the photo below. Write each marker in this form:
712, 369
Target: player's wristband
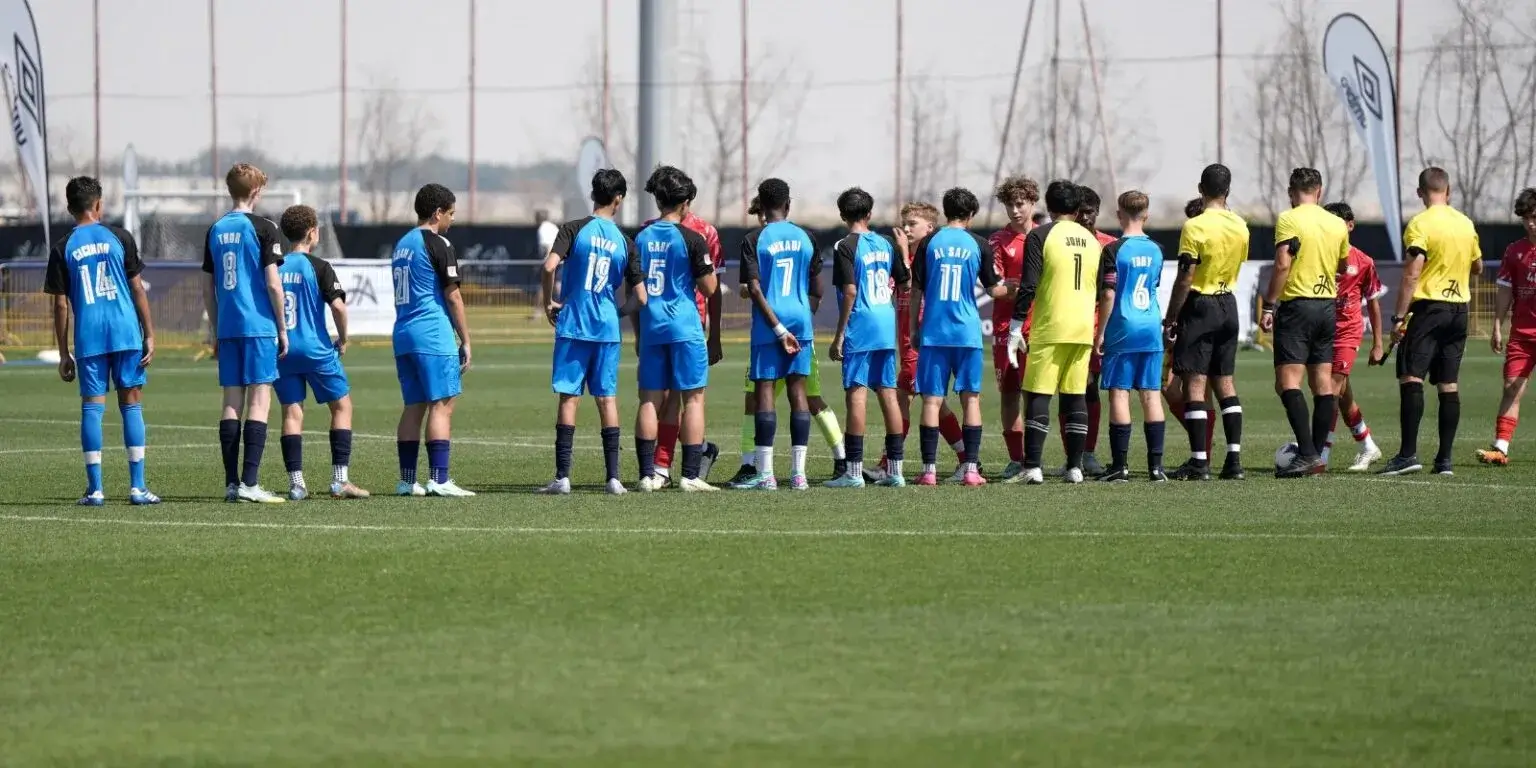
1398, 319
780, 331
1269, 307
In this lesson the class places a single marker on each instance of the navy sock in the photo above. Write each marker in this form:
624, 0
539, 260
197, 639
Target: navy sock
1155, 431
1450, 419
1119, 445
1411, 413
1037, 426
1074, 414
409, 451
229, 447
255, 445
1322, 421
928, 438
896, 447
767, 424
645, 450
611, 451
800, 428
293, 453
972, 438
854, 446
565, 439
692, 456
341, 447
1301, 428
437, 460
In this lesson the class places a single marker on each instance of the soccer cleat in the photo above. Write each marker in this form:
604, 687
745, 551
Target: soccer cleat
297, 493
1493, 456
347, 491
927, 479
839, 467
799, 483
1157, 475
140, 497
1233, 470
1091, 465
648, 484
616, 487
1034, 476
1074, 476
973, 480
449, 490
1012, 473
1301, 466
403, 488
232, 492
1443, 468
707, 460
874, 474
1401, 465
747, 472
1190, 472
892, 481
959, 475
846, 481
560, 486
760, 483
1116, 475
695, 485
93, 499
255, 494
662, 478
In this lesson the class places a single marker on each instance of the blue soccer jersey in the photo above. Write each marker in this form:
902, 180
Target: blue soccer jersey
670, 259
867, 262
947, 265
423, 267
782, 257
309, 287
92, 266
1133, 266
240, 247
596, 255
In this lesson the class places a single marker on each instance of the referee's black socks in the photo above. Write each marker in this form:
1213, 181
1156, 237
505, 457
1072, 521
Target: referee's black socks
1322, 421
1196, 416
1450, 419
1232, 424
1410, 413
1301, 427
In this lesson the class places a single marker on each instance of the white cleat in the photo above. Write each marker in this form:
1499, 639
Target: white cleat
560, 486
662, 478
450, 490
1073, 476
255, 494
649, 484
409, 489
1368, 455
696, 485
616, 487
297, 493
1034, 476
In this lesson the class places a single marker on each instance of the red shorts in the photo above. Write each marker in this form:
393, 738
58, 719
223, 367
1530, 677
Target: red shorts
1095, 363
1344, 360
906, 378
1519, 359
1009, 379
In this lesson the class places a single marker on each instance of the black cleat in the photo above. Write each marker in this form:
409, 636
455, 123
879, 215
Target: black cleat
1401, 465
1191, 472
747, 472
1233, 470
1115, 475
707, 460
1300, 466
1157, 475
1443, 468
839, 468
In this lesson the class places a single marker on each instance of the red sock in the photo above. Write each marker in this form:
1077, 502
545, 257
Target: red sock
1093, 426
949, 427
1355, 420
666, 442
1014, 438
1505, 427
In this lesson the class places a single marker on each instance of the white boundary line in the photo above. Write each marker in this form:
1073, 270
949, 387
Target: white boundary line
763, 533
152, 449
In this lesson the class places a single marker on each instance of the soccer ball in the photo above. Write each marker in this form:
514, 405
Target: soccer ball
1284, 454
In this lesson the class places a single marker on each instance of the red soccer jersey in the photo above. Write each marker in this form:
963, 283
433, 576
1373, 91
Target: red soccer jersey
904, 310
1518, 273
1104, 241
1358, 283
712, 239
1008, 263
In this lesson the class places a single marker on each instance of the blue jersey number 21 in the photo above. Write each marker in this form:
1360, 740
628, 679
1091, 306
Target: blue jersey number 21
402, 285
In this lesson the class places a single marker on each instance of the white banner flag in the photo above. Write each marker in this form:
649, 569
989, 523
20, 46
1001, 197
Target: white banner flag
22, 63
1356, 62
370, 297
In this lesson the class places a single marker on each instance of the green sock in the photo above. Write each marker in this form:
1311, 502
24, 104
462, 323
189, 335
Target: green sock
749, 439
826, 421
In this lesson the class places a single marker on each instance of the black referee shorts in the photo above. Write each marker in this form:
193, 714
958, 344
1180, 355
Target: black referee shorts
1208, 336
1304, 332
1434, 342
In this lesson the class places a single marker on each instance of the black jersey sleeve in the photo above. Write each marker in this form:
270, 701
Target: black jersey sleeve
749, 256
920, 264
56, 278
567, 235
133, 264
208, 251
1107, 275
842, 261
269, 239
634, 274
326, 279
1034, 265
445, 262
816, 259
699, 260
988, 272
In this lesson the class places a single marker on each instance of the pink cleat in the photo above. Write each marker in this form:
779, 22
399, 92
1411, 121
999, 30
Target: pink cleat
928, 478
973, 480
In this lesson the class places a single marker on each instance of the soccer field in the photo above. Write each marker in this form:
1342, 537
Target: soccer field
1337, 620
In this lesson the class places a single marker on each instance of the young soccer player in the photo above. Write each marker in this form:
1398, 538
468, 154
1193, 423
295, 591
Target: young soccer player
1088, 216
1018, 195
1299, 307
918, 220
1358, 285
1173, 384
598, 258
948, 338
1060, 284
673, 352
94, 274
1431, 318
244, 299
313, 362
1202, 319
864, 267
1517, 297
430, 362
1130, 338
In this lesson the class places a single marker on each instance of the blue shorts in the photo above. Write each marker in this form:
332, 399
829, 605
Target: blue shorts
1132, 370
875, 369
328, 381
678, 366
247, 362
590, 364
770, 362
428, 378
120, 370
937, 365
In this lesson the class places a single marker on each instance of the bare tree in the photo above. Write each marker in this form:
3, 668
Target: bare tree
1298, 117
772, 92
1475, 112
393, 134
931, 158
587, 112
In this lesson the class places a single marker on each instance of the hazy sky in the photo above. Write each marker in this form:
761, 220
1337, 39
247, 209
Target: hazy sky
279, 71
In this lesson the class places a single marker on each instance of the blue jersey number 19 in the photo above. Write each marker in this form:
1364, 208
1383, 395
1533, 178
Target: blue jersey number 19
597, 273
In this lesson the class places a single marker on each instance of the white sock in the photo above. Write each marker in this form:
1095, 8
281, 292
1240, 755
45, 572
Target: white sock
339, 474
765, 460
1501, 445
1368, 443
970, 467
855, 469
296, 478
798, 465
930, 469
895, 467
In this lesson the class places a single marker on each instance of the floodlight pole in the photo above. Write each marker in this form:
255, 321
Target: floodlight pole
341, 193
213, 97
96, 87
746, 177
473, 180
900, 43
1221, 86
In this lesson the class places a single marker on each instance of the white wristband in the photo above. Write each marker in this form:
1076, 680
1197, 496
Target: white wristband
780, 331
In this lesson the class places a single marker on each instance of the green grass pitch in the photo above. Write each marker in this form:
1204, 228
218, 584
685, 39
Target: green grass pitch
1337, 620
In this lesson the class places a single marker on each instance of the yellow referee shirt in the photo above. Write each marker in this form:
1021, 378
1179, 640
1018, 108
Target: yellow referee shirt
1448, 242
1319, 240
1216, 242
